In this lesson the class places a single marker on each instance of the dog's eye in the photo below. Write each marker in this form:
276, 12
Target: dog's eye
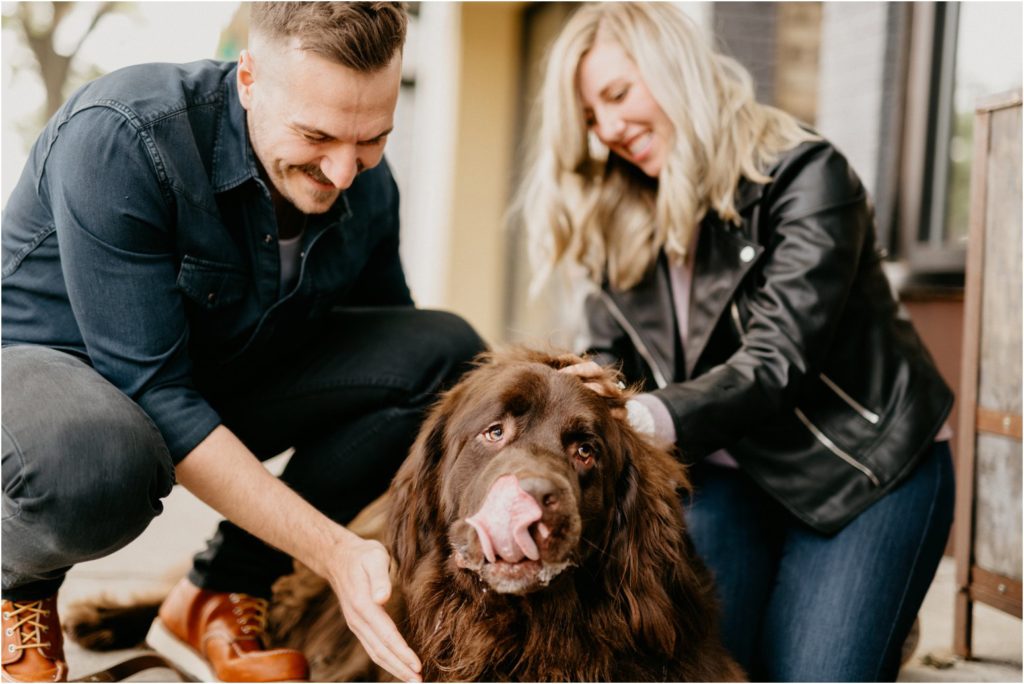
494, 433
585, 453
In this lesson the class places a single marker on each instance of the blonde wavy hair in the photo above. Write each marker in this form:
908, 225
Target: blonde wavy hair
593, 209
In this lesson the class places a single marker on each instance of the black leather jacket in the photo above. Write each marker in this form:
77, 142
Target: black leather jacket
799, 360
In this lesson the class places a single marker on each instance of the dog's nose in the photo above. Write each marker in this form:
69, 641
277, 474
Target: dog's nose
543, 490
503, 521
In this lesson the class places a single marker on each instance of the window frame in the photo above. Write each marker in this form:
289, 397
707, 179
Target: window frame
929, 114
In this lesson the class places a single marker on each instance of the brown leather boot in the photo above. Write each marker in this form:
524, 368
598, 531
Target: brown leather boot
220, 637
33, 643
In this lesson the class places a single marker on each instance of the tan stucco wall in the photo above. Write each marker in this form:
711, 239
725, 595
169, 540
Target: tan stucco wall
490, 36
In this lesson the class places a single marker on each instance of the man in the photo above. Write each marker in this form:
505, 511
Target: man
200, 270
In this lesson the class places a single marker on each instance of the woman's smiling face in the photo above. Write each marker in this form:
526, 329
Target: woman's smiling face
620, 109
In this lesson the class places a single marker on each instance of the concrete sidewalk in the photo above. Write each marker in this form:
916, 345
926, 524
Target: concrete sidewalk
162, 553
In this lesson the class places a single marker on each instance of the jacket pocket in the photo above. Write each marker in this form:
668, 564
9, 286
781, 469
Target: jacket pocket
211, 285
836, 393
858, 408
835, 449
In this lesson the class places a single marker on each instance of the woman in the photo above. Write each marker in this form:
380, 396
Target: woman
737, 278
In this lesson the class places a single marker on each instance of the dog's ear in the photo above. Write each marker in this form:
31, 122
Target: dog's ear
415, 490
651, 572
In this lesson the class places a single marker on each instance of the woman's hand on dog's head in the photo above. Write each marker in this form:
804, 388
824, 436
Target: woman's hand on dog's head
595, 377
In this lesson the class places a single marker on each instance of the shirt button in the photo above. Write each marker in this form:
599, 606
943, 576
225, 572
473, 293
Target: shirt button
302, 255
746, 254
211, 297
268, 238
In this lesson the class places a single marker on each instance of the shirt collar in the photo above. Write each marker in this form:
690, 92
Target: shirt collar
233, 159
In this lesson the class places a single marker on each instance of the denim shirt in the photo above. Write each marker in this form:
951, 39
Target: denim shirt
141, 238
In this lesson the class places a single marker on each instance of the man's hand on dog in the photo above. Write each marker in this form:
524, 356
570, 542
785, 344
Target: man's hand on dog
360, 579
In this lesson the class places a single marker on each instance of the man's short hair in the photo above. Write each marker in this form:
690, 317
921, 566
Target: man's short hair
363, 36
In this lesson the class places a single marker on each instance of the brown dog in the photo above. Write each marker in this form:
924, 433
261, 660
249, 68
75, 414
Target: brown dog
536, 537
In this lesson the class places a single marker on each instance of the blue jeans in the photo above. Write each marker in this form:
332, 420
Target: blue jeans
801, 606
84, 468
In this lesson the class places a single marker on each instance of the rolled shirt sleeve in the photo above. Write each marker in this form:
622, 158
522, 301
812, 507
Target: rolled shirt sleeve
114, 216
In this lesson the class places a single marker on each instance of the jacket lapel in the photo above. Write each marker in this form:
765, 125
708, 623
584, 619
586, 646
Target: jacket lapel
723, 258
648, 306
721, 265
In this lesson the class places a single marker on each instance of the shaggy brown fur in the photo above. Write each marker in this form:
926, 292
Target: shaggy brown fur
617, 593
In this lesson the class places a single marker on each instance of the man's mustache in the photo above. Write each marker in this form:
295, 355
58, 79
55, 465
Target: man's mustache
313, 170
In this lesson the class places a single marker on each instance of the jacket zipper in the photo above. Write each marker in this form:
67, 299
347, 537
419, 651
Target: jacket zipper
867, 415
634, 336
859, 408
813, 429
831, 446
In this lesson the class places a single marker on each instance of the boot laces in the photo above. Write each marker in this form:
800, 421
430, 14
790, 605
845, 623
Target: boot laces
28, 616
250, 613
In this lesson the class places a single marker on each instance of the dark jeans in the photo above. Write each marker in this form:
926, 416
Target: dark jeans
801, 606
84, 468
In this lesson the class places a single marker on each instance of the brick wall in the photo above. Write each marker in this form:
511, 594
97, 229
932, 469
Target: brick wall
747, 32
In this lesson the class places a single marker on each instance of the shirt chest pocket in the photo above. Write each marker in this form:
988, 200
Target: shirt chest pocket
221, 314
211, 285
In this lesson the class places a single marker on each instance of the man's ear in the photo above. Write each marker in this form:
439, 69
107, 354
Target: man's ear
246, 78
